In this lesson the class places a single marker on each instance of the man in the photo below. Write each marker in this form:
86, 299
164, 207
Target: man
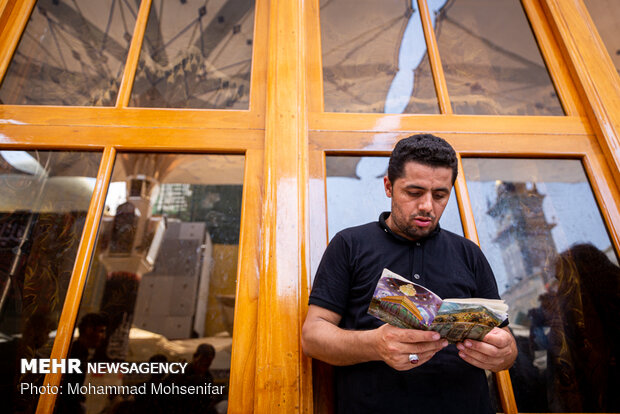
196, 374
92, 328
382, 368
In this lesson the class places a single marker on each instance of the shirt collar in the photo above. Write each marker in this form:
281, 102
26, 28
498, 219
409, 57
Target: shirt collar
383, 216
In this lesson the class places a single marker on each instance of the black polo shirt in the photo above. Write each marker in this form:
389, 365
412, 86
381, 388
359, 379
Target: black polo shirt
449, 265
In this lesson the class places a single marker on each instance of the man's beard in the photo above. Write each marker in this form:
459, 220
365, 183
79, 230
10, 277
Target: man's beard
413, 232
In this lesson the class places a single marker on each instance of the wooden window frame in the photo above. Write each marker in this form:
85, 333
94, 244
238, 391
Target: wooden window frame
285, 136
563, 137
112, 130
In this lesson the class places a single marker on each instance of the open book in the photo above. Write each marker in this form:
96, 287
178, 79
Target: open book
404, 304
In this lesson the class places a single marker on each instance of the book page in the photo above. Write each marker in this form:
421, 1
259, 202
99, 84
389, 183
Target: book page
405, 304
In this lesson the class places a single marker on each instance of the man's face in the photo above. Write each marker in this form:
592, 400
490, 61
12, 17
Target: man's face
94, 336
419, 198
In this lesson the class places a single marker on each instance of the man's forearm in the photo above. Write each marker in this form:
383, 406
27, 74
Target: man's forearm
336, 346
323, 339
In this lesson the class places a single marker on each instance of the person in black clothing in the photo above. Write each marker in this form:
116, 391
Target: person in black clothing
92, 329
382, 368
196, 374
152, 402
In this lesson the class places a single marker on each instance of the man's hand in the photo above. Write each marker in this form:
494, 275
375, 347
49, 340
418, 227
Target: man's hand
496, 351
323, 339
393, 345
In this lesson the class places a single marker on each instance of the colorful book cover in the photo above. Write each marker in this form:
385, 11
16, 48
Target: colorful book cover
405, 304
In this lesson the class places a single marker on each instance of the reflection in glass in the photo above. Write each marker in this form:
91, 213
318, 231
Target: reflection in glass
543, 234
374, 57
355, 194
44, 198
196, 54
163, 279
491, 61
71, 53
606, 16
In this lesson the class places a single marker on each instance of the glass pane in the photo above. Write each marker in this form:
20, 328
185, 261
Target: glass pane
161, 287
358, 182
541, 229
374, 58
71, 53
606, 16
44, 199
196, 54
491, 61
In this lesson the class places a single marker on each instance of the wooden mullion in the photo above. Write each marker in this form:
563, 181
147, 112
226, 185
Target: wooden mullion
506, 393
435, 61
243, 357
146, 117
464, 203
75, 289
282, 375
504, 384
133, 56
314, 57
318, 214
3, 4
14, 18
130, 139
322, 373
258, 81
442, 124
495, 144
6, 6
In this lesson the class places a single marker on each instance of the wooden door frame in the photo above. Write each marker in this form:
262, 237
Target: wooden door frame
285, 136
578, 135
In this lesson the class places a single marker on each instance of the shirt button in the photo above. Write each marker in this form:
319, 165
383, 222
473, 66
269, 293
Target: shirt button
416, 276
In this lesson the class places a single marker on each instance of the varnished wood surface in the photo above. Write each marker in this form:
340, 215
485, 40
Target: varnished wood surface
506, 393
314, 57
243, 359
468, 144
441, 87
322, 373
133, 55
75, 289
258, 81
6, 6
137, 117
284, 228
14, 19
462, 198
318, 212
596, 74
281, 372
130, 139
467, 124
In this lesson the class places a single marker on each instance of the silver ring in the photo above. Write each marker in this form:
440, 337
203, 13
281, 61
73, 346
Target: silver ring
413, 358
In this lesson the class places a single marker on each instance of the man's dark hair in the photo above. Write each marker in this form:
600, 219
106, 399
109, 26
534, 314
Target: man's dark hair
92, 320
205, 350
426, 149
